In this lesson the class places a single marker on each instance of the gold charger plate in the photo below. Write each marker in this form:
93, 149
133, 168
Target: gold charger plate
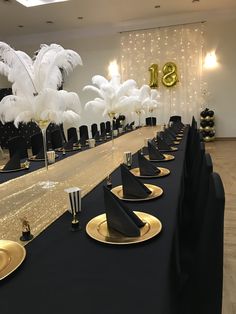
156, 192
23, 166
75, 148
178, 138
97, 229
173, 149
12, 255
176, 142
167, 158
163, 172
180, 135
33, 158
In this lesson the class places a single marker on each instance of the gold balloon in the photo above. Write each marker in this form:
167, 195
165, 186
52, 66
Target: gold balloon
170, 77
153, 69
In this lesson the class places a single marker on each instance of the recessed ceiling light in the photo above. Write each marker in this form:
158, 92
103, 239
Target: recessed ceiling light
33, 3
20, 26
157, 6
195, 1
49, 22
80, 17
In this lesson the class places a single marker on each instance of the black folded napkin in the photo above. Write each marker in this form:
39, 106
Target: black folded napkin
82, 140
161, 144
126, 127
131, 124
153, 152
177, 126
103, 134
40, 155
13, 163
146, 168
69, 145
120, 217
171, 133
132, 187
165, 137
97, 136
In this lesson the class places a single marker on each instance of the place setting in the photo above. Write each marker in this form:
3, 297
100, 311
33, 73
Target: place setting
69, 146
147, 170
51, 156
133, 190
155, 155
14, 165
163, 146
119, 225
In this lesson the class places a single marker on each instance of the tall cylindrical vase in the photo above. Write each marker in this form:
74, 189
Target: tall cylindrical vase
112, 116
43, 124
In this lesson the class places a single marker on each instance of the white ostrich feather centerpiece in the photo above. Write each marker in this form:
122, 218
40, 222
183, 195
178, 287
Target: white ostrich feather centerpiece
152, 101
113, 95
35, 84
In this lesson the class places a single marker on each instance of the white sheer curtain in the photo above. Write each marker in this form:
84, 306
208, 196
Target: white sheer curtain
182, 45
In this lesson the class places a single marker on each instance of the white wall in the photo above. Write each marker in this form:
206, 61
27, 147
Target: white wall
220, 35
97, 52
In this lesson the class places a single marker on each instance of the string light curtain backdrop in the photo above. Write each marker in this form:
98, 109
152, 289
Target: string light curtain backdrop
182, 45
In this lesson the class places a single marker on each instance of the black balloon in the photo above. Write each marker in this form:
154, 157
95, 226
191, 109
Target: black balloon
203, 124
211, 123
203, 114
211, 113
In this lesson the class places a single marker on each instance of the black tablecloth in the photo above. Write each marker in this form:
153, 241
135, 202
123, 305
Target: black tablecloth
67, 272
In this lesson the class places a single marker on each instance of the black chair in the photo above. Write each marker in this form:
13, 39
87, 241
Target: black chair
72, 134
94, 129
194, 123
102, 128
108, 126
18, 144
61, 128
202, 292
190, 231
36, 143
83, 132
150, 121
56, 139
175, 119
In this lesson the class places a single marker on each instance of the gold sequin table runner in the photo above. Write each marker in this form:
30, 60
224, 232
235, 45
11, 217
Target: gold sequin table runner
25, 196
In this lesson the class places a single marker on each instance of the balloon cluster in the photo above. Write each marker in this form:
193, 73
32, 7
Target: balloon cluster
207, 124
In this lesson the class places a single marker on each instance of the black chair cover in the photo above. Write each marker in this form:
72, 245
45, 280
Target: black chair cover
83, 132
36, 143
56, 139
203, 291
94, 129
18, 145
102, 128
175, 119
108, 127
72, 134
151, 121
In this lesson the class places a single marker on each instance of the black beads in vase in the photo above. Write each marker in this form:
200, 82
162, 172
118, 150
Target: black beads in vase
207, 125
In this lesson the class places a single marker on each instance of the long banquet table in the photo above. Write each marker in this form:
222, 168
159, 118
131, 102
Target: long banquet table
67, 272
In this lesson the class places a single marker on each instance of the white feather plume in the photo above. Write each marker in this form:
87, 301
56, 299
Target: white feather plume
35, 82
152, 101
114, 95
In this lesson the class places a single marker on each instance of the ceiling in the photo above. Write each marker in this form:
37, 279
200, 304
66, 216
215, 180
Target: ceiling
17, 20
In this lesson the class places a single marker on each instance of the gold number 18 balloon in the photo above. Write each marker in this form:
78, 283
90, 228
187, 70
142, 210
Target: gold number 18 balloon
170, 77
153, 69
